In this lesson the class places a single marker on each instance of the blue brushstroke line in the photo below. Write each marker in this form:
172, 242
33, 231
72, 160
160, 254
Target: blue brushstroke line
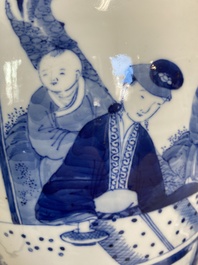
8, 186
156, 230
20, 6
175, 257
128, 75
32, 5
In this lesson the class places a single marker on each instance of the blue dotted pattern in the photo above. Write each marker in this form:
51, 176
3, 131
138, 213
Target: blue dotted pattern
51, 246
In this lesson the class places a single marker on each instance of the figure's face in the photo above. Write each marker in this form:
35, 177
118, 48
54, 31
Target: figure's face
60, 74
139, 104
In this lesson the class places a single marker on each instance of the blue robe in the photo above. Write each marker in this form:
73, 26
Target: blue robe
84, 176
52, 136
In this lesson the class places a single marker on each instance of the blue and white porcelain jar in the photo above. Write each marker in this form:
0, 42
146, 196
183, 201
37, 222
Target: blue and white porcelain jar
99, 134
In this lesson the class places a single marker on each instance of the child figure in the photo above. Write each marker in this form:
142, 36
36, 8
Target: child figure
113, 168
61, 107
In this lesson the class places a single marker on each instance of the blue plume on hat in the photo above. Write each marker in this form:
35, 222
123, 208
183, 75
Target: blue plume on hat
122, 67
128, 75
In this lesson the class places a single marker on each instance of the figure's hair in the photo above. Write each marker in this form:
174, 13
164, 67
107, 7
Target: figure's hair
58, 52
167, 97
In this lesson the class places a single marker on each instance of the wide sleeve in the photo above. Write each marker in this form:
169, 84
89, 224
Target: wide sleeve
69, 194
46, 137
146, 176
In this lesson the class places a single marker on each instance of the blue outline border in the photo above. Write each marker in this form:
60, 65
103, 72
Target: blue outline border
6, 176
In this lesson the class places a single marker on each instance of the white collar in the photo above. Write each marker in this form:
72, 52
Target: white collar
127, 123
80, 95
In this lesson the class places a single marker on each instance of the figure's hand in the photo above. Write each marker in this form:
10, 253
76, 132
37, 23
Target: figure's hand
84, 226
115, 201
191, 180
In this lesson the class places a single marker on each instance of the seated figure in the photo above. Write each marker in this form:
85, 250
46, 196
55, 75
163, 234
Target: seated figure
61, 107
112, 168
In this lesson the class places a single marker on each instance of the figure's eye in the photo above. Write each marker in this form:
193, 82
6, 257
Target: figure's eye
44, 75
142, 96
159, 104
62, 73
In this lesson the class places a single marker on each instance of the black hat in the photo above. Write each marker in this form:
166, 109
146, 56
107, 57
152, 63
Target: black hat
159, 77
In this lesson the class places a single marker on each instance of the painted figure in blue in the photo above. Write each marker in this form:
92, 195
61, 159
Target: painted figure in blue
61, 107
56, 113
113, 167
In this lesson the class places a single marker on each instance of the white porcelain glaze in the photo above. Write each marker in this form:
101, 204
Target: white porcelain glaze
112, 35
